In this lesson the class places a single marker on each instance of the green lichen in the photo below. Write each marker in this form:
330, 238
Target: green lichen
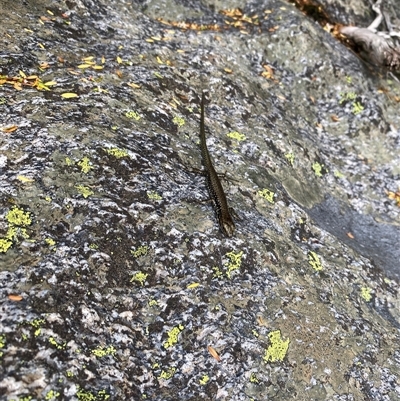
85, 395
36, 322
167, 374
253, 378
204, 380
132, 114
18, 217
68, 161
290, 157
277, 349
349, 79
314, 261
69, 373
357, 108
84, 191
344, 96
52, 394
37, 332
338, 174
236, 135
55, 344
140, 251
218, 273
2, 343
5, 244
366, 293
85, 165
47, 199
179, 121
317, 169
50, 241
158, 75
118, 153
153, 195
267, 194
140, 277
153, 302
235, 262
173, 336
93, 246
102, 351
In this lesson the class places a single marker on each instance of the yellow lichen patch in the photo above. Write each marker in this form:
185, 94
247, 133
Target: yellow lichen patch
118, 153
167, 374
84, 395
140, 277
236, 135
68, 161
317, 169
338, 174
290, 157
85, 191
102, 351
277, 349
52, 395
153, 195
173, 336
314, 261
132, 114
85, 165
366, 293
253, 378
267, 194
2, 341
18, 217
204, 380
153, 302
179, 121
5, 244
235, 262
140, 251
54, 342
357, 108
50, 241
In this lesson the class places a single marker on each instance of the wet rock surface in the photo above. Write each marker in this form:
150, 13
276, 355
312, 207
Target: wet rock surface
115, 280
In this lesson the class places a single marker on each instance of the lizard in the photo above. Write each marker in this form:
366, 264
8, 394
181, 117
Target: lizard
214, 186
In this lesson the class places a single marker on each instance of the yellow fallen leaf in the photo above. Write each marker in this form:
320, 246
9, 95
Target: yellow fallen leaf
68, 95
89, 58
22, 178
50, 83
97, 67
83, 66
133, 85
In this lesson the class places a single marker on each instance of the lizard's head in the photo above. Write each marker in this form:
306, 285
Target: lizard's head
227, 226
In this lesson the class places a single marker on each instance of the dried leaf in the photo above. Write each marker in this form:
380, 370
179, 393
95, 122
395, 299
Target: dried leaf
214, 353
133, 85
14, 297
12, 128
335, 118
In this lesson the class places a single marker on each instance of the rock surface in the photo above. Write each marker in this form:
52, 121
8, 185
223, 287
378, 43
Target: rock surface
115, 281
